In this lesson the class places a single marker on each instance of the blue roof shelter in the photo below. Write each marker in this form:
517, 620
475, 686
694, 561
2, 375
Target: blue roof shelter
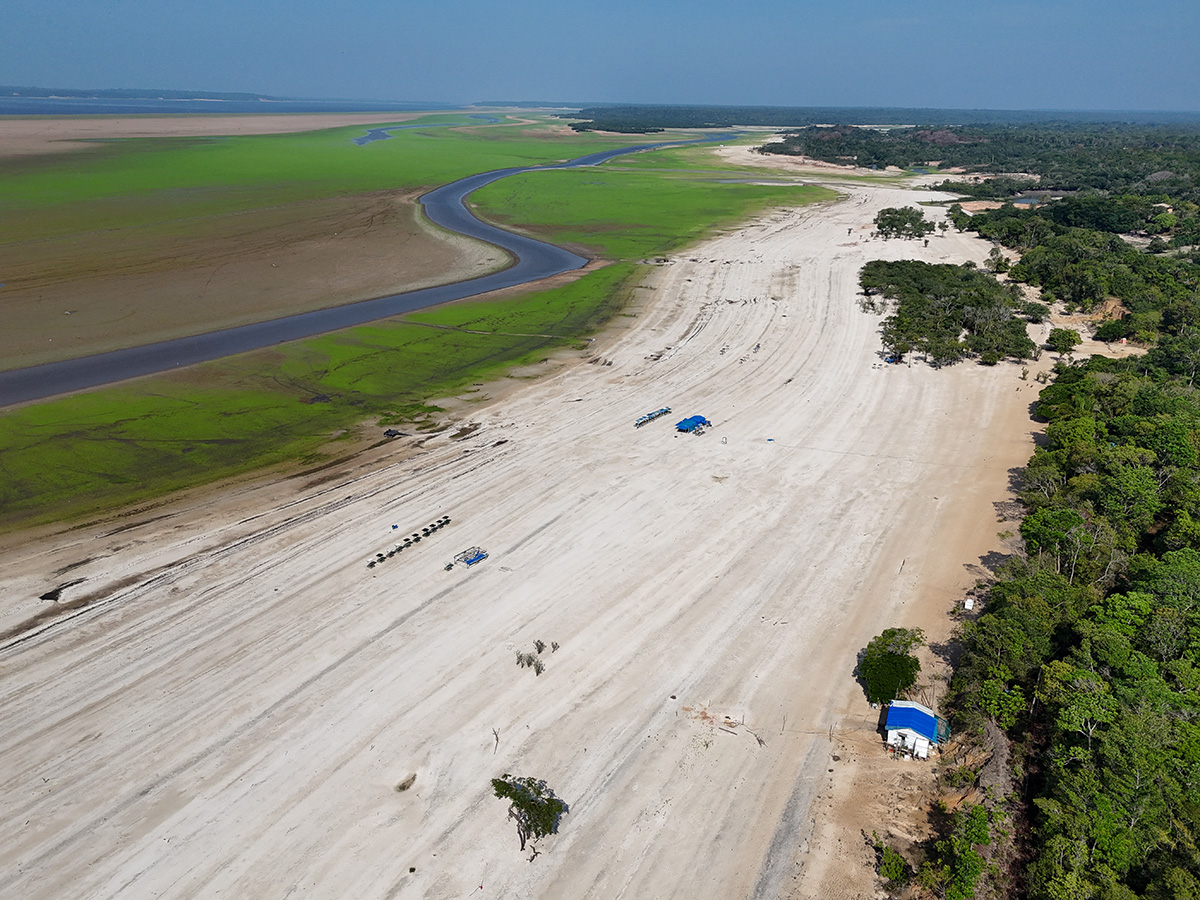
914, 728
691, 423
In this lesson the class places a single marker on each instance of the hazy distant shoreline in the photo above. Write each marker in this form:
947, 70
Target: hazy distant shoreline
22, 101
125, 106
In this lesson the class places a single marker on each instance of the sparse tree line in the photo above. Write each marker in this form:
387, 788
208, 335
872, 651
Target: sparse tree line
1086, 266
1018, 124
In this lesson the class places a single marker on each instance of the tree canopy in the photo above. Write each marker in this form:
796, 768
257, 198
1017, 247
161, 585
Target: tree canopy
1088, 651
640, 118
1071, 254
948, 312
888, 667
1063, 340
532, 805
1063, 156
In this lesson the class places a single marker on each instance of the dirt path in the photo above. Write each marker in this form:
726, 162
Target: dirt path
234, 716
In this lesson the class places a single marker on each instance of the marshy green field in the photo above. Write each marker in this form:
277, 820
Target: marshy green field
76, 456
137, 182
628, 213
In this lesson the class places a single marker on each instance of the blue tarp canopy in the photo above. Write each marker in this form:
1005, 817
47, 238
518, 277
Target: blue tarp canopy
918, 720
691, 423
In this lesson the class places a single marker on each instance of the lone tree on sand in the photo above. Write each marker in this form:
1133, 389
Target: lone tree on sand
888, 666
533, 807
902, 222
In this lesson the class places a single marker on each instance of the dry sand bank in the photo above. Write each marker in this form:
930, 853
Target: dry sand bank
231, 715
743, 155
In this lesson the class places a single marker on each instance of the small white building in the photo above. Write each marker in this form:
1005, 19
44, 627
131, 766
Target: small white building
914, 729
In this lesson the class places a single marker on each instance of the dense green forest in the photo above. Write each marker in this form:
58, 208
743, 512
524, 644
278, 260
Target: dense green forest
640, 119
1085, 660
1073, 251
1088, 654
1125, 158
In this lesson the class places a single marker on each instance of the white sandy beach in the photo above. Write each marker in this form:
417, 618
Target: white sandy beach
231, 714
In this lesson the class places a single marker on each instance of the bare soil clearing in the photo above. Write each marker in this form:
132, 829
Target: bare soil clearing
232, 710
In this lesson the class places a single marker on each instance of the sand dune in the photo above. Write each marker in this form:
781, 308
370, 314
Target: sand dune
232, 713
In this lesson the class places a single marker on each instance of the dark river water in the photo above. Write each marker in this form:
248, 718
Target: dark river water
535, 260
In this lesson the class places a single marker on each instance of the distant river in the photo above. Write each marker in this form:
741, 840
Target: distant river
445, 206
382, 134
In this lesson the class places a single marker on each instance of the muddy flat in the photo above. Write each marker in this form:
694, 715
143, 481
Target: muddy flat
79, 289
39, 135
82, 294
232, 702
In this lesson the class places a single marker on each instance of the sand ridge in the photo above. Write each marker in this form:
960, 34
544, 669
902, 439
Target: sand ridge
233, 713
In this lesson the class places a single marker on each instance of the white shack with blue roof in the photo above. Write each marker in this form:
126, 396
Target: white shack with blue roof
912, 729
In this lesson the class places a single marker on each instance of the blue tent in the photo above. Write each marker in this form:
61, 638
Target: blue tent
691, 423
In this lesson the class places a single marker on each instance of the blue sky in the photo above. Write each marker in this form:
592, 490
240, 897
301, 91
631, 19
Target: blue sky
1010, 54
